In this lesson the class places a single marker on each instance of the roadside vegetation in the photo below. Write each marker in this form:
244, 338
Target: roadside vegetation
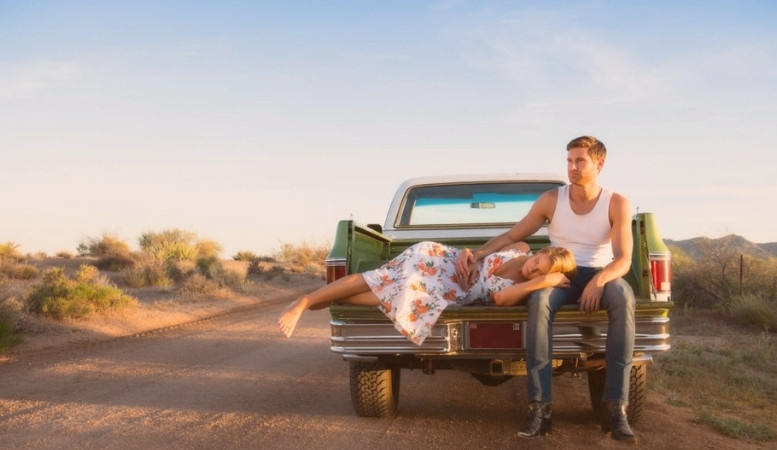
723, 361
173, 261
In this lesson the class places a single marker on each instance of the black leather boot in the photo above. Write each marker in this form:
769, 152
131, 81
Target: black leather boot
538, 421
614, 421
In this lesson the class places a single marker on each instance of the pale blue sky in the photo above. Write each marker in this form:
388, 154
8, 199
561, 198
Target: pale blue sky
256, 123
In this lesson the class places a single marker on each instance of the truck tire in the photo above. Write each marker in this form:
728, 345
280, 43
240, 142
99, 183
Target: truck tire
637, 391
374, 389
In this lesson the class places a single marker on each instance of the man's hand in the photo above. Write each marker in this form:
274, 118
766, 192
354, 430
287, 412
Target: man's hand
592, 297
466, 268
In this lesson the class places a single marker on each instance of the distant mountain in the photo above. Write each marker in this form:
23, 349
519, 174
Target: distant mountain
693, 247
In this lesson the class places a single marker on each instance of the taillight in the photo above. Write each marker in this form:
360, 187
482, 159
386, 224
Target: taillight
661, 276
334, 270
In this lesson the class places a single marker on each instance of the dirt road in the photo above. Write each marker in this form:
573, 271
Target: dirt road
234, 382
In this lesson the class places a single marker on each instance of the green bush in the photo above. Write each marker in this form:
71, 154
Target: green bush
8, 338
8, 306
209, 266
213, 269
59, 297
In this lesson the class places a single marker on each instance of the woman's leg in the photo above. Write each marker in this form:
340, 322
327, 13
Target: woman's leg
350, 289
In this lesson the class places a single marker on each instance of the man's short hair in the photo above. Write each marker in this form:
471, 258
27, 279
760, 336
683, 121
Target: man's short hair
596, 149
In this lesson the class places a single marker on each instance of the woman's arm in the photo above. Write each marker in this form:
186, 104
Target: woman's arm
511, 296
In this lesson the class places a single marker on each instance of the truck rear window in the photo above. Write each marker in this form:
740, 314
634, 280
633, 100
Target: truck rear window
469, 204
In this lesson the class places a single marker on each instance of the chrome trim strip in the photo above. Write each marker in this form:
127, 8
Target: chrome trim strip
381, 338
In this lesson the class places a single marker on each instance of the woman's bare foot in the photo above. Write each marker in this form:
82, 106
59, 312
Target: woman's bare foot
290, 316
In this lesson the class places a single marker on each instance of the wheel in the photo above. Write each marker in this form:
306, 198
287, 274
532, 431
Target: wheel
637, 391
374, 389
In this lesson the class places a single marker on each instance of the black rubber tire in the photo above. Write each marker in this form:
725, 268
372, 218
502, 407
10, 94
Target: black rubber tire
637, 391
374, 389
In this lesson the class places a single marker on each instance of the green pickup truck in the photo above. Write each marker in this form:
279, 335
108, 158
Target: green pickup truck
484, 340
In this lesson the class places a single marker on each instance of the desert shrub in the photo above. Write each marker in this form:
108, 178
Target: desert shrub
209, 266
146, 272
244, 256
259, 263
715, 278
181, 270
115, 263
9, 251
8, 335
213, 269
232, 278
198, 285
106, 245
114, 254
304, 254
266, 273
751, 309
87, 274
19, 271
207, 248
59, 297
64, 255
8, 338
177, 245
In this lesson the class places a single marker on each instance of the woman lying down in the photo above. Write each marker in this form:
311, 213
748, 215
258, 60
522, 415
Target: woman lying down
414, 288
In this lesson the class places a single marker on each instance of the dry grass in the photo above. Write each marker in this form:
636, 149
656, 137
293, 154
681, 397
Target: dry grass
725, 372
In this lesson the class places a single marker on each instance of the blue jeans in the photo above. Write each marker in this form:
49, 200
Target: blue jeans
617, 299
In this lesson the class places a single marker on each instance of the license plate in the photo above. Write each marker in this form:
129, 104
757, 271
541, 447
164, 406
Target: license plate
495, 335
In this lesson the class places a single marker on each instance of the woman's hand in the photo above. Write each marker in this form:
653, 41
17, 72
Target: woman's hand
466, 268
556, 279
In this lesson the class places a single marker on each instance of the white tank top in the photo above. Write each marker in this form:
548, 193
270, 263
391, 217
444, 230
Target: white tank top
588, 236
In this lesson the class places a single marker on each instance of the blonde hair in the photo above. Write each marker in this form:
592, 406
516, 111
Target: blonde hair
561, 260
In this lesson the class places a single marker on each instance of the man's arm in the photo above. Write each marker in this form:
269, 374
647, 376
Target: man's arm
540, 212
622, 248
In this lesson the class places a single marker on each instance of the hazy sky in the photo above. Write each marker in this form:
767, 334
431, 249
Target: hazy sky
257, 123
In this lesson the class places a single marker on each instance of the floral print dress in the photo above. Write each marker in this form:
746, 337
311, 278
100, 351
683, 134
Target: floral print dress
415, 287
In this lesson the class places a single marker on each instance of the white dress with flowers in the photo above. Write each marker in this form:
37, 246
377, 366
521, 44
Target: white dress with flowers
416, 286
